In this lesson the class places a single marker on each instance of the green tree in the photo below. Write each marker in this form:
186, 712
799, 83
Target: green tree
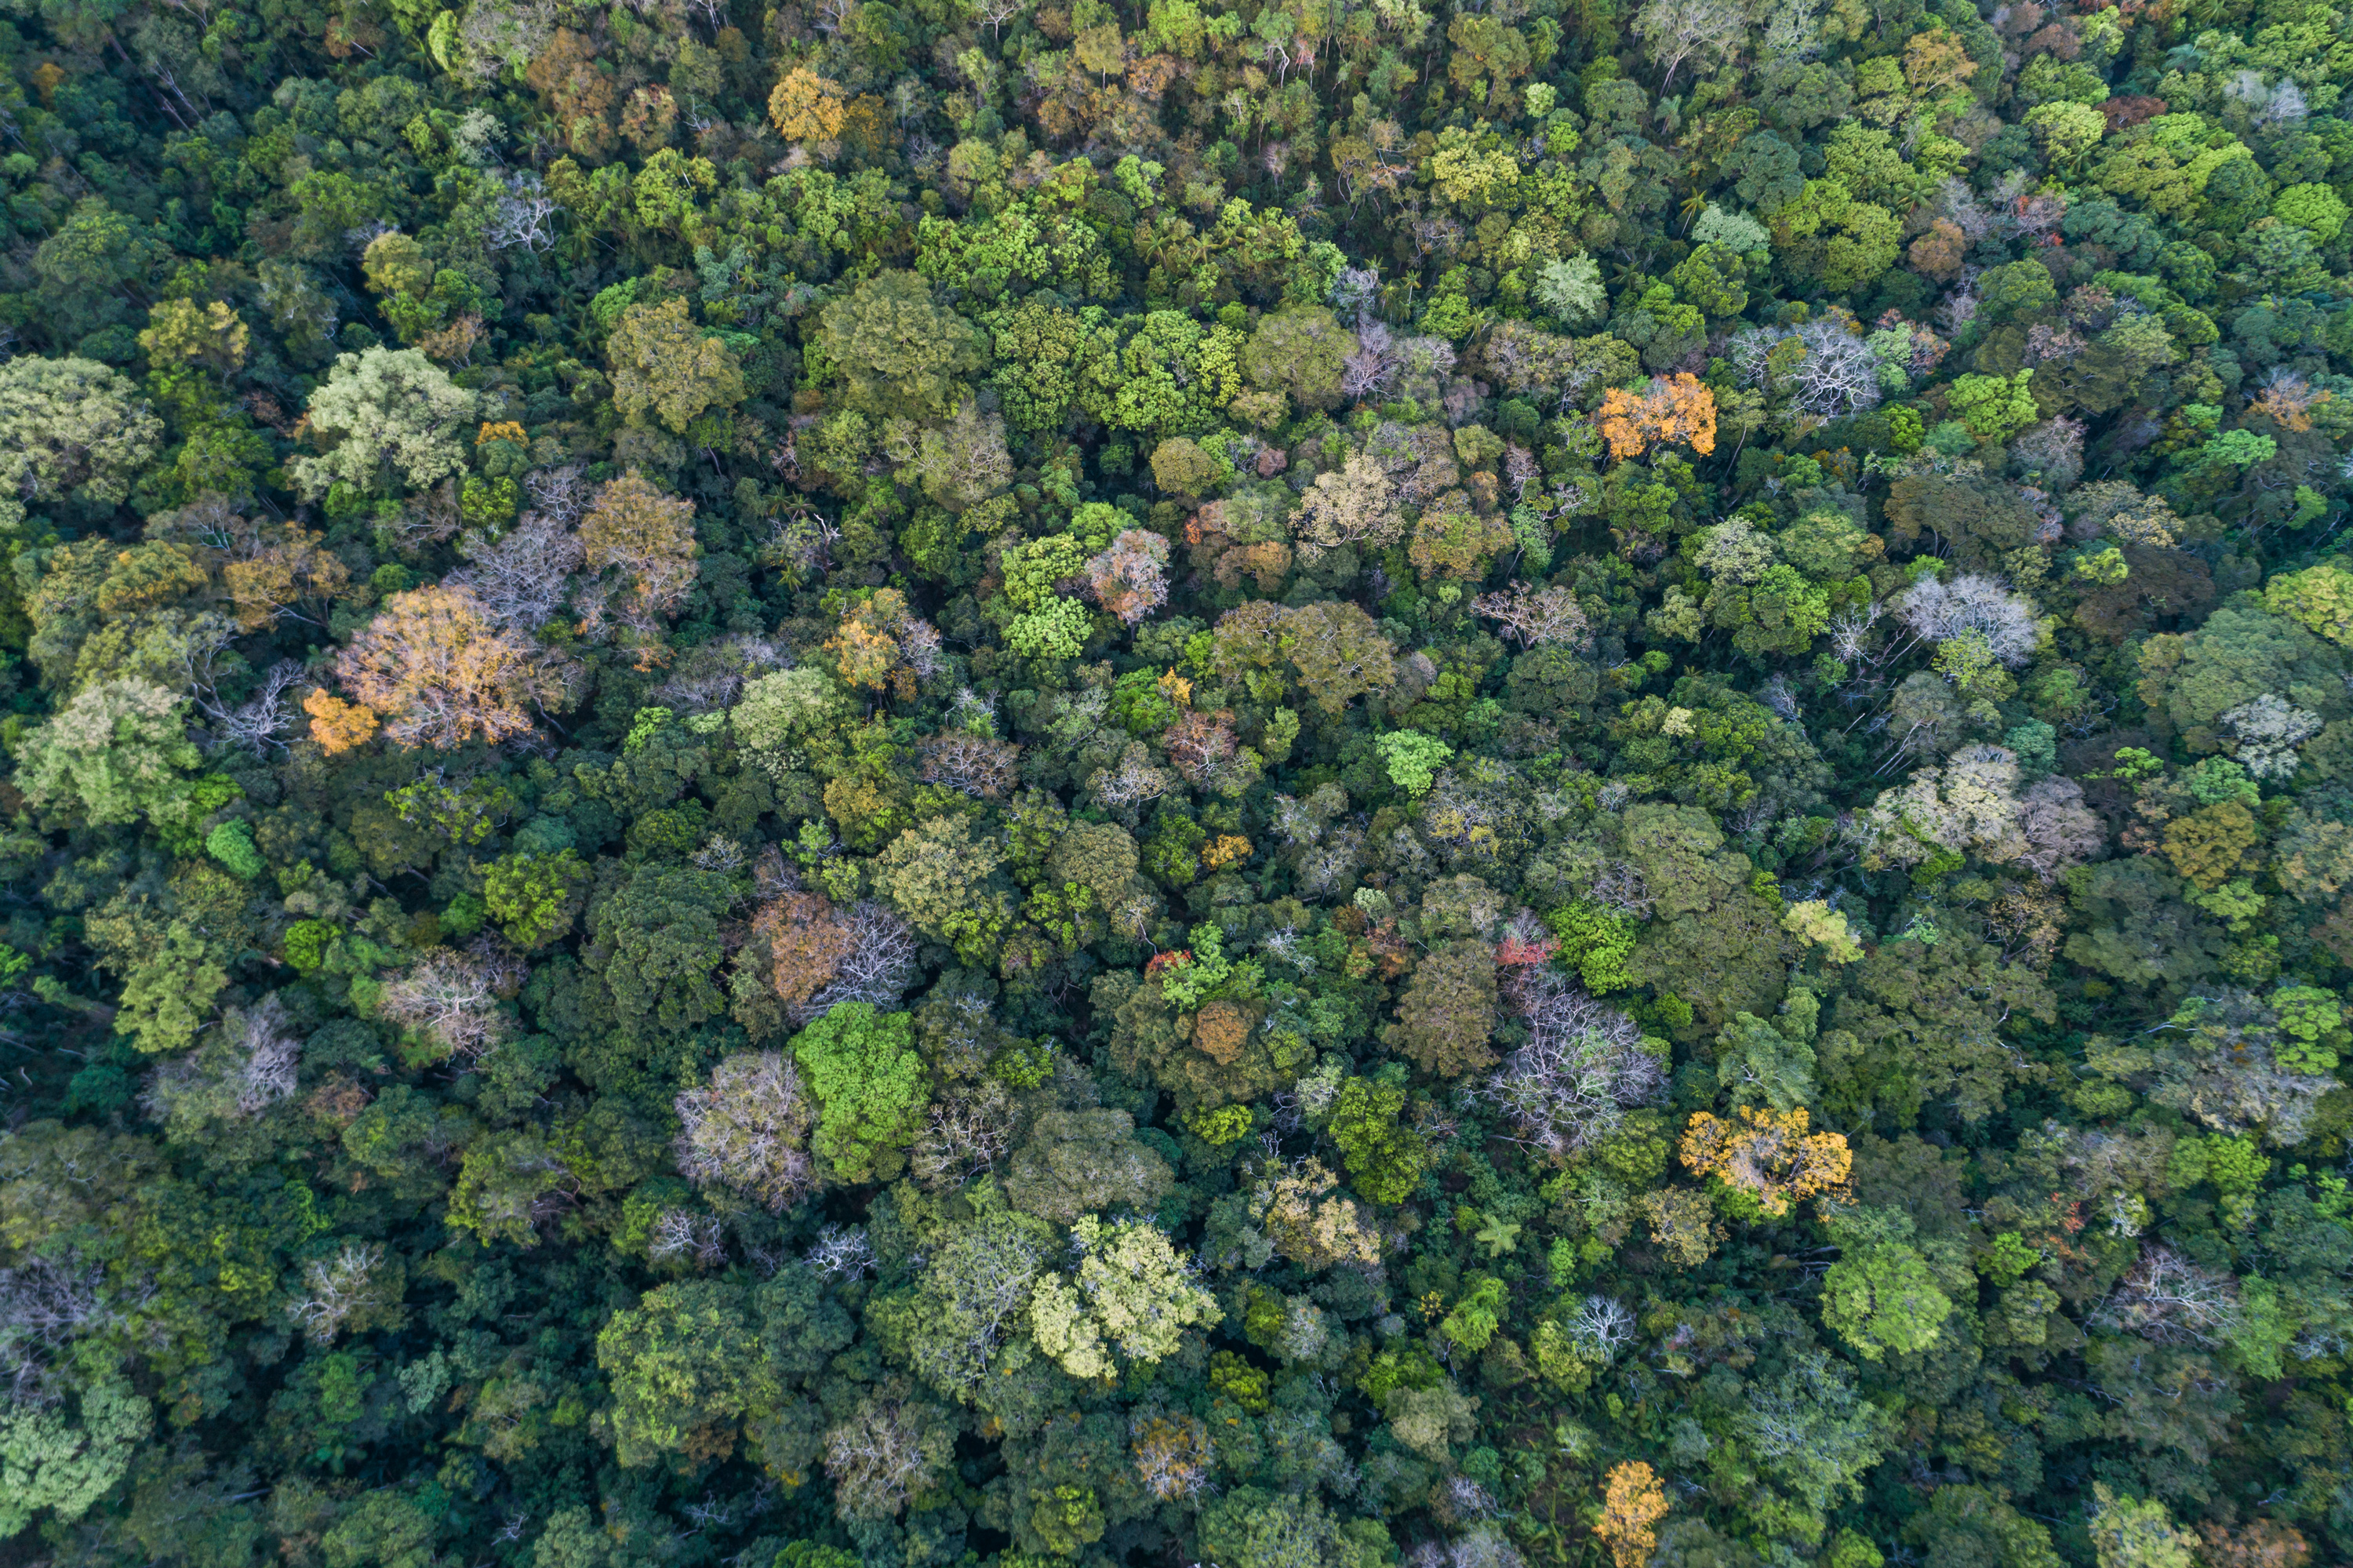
1302, 352
1882, 1298
71, 430
657, 941
1448, 1011
389, 420
666, 367
1251, 1528
386, 1529
871, 1087
62, 1467
2134, 1532
946, 882
1384, 1158
117, 753
1074, 1160
535, 897
898, 352
686, 1368
1130, 1301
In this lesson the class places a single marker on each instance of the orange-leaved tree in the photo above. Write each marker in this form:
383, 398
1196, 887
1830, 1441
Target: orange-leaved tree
437, 673
273, 574
647, 540
1632, 1502
1767, 1154
337, 726
881, 644
1675, 410
806, 944
805, 107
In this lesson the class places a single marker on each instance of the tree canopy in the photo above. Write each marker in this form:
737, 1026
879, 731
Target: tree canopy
890, 784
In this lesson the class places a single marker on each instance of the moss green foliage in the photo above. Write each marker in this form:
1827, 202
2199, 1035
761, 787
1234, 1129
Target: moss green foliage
535, 897
985, 786
1383, 1156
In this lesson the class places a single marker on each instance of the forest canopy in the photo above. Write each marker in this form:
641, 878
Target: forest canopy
1000, 783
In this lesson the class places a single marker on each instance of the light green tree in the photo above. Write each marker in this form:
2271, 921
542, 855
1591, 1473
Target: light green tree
1132, 1298
871, 1088
1413, 759
48, 1462
1994, 407
2134, 1532
1572, 288
391, 418
1816, 922
535, 897
2319, 599
1883, 1297
784, 707
69, 428
119, 752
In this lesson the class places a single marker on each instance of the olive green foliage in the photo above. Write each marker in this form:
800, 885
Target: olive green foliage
898, 351
664, 368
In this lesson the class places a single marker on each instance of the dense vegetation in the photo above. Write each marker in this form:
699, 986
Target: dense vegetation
1271, 783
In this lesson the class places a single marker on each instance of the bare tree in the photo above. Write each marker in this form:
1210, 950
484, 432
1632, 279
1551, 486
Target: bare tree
520, 216
1133, 781
246, 1066
265, 715
1601, 1327
334, 1289
1537, 615
2060, 830
1356, 293
1173, 1454
683, 1235
878, 968
1373, 366
967, 1133
562, 492
980, 766
455, 997
876, 1457
1704, 31
748, 1129
997, 13
45, 1303
1582, 1068
1618, 886
2168, 1299
841, 1252
1939, 610
1839, 375
520, 579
